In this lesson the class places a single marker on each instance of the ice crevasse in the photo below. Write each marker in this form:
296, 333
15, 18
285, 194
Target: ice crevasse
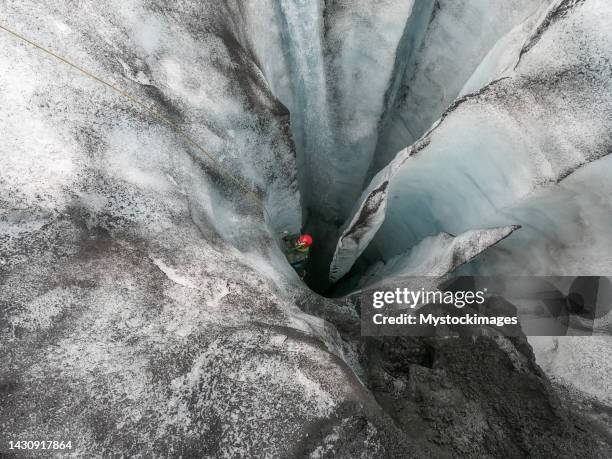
145, 304
528, 147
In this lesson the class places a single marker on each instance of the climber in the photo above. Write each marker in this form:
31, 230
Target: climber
297, 250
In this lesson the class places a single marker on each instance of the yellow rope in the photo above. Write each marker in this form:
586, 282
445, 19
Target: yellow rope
148, 109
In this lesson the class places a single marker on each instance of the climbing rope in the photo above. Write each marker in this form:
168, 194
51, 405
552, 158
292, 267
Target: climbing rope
226, 172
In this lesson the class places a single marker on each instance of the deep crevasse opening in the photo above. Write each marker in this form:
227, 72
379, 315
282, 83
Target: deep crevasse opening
364, 81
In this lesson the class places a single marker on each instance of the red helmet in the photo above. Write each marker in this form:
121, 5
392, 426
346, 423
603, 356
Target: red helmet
305, 240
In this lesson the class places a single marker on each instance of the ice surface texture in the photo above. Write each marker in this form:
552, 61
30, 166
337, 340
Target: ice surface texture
145, 307
516, 151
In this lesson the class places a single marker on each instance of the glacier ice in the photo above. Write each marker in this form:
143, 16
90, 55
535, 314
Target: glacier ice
145, 306
506, 143
335, 56
352, 78
444, 57
434, 256
359, 232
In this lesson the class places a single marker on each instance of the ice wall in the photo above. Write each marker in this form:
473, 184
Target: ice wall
352, 74
457, 37
141, 291
434, 256
341, 60
481, 164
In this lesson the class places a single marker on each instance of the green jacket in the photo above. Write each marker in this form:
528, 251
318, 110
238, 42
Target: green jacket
297, 258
